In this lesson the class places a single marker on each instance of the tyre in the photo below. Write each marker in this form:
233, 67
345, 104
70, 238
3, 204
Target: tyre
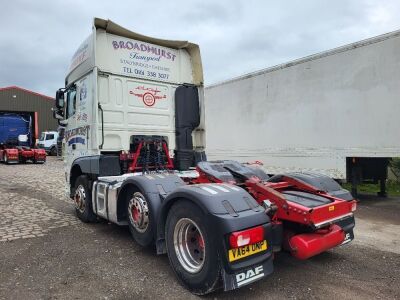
37, 162
5, 158
53, 151
83, 200
191, 250
140, 218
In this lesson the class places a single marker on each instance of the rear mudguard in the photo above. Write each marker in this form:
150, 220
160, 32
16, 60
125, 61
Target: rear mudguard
155, 187
228, 208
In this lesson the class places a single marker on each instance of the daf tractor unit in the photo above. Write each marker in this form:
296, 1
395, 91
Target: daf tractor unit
133, 111
18, 133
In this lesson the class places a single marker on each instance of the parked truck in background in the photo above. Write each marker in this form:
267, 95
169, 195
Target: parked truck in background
336, 112
18, 134
48, 142
134, 153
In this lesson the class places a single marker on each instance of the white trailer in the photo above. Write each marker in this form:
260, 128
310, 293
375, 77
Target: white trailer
336, 112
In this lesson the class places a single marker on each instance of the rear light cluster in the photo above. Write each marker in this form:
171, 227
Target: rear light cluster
246, 237
12, 154
354, 206
125, 155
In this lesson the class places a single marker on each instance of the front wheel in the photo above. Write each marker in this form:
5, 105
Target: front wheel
83, 200
53, 151
191, 250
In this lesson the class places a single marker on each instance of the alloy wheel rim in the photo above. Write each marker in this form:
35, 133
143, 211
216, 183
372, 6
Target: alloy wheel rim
80, 198
138, 211
189, 245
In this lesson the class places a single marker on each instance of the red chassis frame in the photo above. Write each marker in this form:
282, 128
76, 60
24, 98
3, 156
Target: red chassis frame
305, 231
132, 158
324, 233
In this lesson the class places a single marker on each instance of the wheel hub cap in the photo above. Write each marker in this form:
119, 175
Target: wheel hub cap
80, 198
139, 212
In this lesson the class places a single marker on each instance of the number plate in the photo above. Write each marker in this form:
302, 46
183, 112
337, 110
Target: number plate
242, 252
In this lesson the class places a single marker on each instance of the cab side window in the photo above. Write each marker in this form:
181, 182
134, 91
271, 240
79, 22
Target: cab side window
49, 137
71, 102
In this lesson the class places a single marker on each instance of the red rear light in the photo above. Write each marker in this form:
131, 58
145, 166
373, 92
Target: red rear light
246, 237
123, 155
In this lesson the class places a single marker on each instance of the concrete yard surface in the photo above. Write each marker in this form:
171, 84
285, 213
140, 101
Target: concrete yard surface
47, 253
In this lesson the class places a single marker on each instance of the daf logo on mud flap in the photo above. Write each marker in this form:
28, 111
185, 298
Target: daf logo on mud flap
249, 275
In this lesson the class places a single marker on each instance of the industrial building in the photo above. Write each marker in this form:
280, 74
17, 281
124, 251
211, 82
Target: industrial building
14, 99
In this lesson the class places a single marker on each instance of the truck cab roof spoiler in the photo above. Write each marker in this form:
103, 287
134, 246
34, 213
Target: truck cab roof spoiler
193, 49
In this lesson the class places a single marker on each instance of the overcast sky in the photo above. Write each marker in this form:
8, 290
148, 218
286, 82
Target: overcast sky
38, 38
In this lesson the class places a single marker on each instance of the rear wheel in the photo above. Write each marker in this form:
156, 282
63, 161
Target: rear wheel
83, 200
192, 252
38, 162
140, 218
5, 158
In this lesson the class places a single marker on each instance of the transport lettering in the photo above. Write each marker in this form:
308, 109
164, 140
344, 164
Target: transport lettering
144, 48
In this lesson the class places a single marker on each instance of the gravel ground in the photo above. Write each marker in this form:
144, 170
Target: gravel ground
46, 253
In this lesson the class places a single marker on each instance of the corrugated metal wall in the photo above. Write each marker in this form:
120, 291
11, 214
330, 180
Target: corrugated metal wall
15, 99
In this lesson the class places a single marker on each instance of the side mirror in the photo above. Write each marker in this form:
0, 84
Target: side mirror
60, 99
57, 114
62, 123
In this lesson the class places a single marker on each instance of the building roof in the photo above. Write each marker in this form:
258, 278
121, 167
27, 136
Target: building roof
14, 87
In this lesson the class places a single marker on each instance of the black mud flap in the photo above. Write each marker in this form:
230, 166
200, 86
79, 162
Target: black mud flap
347, 226
247, 275
348, 237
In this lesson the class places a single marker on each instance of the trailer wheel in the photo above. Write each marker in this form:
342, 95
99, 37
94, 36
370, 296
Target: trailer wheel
192, 252
83, 200
140, 218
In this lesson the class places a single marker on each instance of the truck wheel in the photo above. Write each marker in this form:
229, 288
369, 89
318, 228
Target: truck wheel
83, 200
38, 162
140, 218
53, 151
5, 158
192, 252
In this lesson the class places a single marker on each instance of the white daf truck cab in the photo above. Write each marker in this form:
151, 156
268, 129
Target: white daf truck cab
133, 112
48, 141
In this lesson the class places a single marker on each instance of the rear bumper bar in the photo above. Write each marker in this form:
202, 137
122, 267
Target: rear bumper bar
333, 221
